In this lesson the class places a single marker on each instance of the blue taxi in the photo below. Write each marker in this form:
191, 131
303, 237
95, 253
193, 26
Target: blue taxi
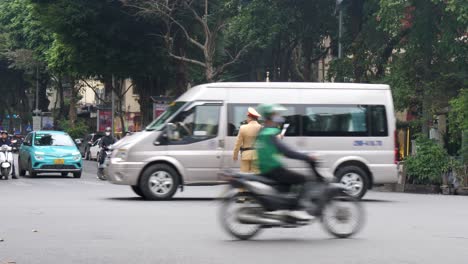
49, 151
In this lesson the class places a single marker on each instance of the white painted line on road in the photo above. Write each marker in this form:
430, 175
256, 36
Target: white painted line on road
92, 183
56, 183
20, 183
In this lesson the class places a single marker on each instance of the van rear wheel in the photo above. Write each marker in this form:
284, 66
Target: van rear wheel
159, 182
354, 178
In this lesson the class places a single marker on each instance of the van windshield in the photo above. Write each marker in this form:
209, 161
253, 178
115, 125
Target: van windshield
159, 122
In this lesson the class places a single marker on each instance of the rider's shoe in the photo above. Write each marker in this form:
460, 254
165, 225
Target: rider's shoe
14, 176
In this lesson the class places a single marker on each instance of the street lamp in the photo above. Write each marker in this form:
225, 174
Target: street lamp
339, 8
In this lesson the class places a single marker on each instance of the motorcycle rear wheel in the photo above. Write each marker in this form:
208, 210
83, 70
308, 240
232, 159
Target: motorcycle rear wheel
5, 173
230, 208
343, 218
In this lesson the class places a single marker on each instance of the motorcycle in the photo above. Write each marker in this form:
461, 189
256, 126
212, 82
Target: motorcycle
106, 151
264, 204
6, 161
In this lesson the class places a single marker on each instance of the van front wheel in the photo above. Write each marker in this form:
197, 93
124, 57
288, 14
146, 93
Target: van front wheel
355, 178
159, 182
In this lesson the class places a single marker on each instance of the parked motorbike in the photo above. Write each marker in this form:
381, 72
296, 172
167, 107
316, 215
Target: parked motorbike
6, 161
106, 151
259, 206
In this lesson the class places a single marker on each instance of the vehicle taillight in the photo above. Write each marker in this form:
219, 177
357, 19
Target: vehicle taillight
396, 147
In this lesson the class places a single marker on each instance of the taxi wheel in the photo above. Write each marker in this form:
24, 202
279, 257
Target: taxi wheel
21, 171
32, 173
64, 174
77, 174
159, 182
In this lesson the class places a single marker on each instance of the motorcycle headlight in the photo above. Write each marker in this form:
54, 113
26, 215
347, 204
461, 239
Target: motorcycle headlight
76, 156
121, 154
39, 155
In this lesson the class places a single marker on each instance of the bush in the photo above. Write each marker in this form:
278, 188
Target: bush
429, 163
79, 131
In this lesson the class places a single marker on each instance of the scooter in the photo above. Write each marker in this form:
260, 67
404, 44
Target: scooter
265, 204
6, 161
106, 151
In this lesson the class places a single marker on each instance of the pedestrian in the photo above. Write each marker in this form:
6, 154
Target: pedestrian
246, 141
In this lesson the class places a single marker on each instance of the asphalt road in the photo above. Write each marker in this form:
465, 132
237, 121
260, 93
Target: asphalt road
50, 219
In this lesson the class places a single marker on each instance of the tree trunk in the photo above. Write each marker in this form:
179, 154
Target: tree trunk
43, 98
61, 97
72, 115
209, 71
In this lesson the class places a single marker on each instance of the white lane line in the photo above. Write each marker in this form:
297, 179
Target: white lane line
20, 183
92, 183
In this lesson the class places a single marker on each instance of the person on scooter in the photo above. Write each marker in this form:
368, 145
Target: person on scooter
106, 141
269, 150
4, 140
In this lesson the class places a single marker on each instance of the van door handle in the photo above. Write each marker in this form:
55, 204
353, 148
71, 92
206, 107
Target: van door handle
221, 144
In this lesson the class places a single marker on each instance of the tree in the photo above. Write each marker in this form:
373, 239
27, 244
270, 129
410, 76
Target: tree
418, 46
211, 21
287, 38
100, 39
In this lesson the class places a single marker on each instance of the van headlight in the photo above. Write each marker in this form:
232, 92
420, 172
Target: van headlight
76, 156
121, 154
39, 155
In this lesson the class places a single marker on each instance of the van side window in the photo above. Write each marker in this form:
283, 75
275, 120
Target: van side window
379, 121
236, 118
292, 117
335, 121
197, 124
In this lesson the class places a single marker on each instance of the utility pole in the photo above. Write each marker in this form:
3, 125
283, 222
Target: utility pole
113, 106
340, 33
37, 90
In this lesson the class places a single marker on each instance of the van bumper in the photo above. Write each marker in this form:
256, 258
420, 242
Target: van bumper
387, 173
124, 173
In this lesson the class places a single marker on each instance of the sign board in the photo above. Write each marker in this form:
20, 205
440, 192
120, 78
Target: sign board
47, 123
104, 120
36, 123
158, 109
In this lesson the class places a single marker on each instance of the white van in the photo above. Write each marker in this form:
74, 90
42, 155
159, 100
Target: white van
350, 126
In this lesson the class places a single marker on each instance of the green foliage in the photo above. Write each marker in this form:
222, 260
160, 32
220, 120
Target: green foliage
79, 131
429, 163
458, 125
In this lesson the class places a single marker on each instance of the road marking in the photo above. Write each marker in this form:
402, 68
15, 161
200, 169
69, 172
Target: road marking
56, 183
92, 183
21, 183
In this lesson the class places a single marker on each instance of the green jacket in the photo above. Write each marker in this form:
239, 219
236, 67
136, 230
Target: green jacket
267, 152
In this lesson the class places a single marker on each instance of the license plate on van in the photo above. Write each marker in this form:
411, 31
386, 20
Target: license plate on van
59, 161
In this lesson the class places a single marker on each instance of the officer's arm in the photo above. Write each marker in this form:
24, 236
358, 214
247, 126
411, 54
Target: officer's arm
287, 151
239, 142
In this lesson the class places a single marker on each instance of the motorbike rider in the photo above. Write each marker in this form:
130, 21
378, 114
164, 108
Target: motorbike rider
4, 140
106, 141
269, 150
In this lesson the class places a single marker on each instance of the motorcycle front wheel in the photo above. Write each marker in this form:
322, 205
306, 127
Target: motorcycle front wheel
100, 174
343, 218
231, 208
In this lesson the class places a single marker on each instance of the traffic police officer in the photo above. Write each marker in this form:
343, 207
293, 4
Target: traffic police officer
246, 141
